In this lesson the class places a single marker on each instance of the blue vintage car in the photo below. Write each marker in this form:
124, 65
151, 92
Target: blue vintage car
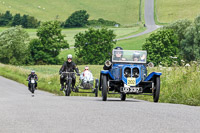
127, 74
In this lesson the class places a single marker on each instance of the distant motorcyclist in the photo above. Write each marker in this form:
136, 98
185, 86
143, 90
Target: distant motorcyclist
32, 75
68, 66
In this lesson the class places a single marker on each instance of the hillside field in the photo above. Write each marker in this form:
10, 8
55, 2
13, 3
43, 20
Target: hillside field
171, 10
125, 12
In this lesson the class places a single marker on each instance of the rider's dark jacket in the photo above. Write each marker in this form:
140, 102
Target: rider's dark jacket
32, 76
69, 67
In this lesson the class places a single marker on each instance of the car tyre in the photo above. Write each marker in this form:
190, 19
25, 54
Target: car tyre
156, 92
123, 96
104, 88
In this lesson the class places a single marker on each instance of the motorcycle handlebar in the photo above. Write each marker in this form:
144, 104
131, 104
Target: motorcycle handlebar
68, 72
71, 73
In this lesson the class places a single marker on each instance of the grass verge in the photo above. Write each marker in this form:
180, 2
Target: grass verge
179, 85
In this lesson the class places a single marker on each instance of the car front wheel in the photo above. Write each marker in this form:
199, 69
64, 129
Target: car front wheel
123, 97
156, 91
104, 88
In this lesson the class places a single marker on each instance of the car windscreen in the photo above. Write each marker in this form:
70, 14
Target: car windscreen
129, 56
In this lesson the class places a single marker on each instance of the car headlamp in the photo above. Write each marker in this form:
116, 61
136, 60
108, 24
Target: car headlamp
127, 72
135, 72
108, 63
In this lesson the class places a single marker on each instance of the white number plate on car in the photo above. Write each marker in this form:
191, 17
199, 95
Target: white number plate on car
131, 89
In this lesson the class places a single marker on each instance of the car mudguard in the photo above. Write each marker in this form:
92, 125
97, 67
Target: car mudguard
151, 75
104, 71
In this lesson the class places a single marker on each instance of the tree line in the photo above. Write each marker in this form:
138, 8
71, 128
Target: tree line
76, 19
7, 19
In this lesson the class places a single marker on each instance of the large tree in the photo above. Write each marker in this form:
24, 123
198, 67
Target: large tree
6, 19
191, 44
14, 46
77, 19
46, 49
179, 27
161, 47
16, 20
94, 46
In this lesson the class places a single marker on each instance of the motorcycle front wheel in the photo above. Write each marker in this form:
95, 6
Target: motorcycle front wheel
68, 89
33, 88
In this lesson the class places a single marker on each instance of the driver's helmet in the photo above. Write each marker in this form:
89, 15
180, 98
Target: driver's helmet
118, 54
32, 72
136, 56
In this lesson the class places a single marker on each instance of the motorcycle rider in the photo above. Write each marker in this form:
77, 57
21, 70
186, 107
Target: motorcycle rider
32, 75
68, 66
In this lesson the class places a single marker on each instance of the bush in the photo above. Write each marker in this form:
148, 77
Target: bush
102, 22
14, 46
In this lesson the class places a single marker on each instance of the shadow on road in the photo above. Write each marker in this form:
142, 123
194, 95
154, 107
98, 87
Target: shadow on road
118, 100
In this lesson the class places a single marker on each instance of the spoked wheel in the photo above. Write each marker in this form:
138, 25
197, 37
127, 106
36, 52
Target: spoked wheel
156, 91
104, 88
68, 89
96, 87
123, 96
33, 88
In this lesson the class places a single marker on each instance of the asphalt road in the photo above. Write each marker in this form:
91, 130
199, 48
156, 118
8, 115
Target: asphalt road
20, 112
149, 20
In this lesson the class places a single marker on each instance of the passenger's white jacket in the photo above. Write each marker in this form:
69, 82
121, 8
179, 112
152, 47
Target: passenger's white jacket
86, 76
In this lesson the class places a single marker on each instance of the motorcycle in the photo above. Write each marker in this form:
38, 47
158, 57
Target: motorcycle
32, 85
68, 82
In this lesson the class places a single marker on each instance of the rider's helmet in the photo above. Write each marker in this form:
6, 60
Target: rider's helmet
118, 54
69, 58
32, 72
86, 68
136, 56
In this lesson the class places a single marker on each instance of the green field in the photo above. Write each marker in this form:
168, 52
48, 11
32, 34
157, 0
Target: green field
70, 33
171, 10
126, 12
133, 43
